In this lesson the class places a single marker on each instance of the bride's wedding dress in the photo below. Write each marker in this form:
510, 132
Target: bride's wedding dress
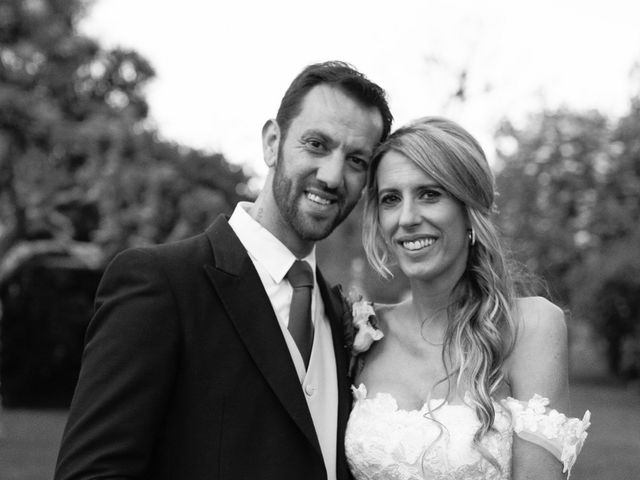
384, 442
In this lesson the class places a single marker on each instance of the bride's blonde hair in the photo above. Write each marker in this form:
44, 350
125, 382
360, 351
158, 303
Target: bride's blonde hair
481, 329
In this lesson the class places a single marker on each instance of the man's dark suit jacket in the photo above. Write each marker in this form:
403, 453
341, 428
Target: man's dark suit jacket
186, 374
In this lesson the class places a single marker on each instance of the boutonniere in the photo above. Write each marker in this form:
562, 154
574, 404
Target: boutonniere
360, 325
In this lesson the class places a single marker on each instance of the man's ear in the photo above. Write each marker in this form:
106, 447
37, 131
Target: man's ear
270, 142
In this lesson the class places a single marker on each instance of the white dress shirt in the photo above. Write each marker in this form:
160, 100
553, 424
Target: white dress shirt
272, 260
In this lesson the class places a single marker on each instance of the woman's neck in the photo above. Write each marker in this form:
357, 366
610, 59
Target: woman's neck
430, 300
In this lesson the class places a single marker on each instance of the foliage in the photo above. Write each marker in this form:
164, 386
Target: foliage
609, 295
82, 176
45, 311
548, 189
78, 160
569, 188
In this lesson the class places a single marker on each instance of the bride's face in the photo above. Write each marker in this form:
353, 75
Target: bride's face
423, 224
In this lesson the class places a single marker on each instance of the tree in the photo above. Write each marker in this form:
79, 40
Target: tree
77, 161
569, 200
62, 99
608, 294
548, 188
82, 176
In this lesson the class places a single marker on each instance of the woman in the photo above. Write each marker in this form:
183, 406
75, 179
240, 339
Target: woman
436, 396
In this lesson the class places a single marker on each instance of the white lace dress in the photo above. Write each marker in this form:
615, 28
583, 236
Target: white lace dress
384, 442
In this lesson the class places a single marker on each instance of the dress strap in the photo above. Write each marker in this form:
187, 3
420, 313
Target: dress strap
561, 435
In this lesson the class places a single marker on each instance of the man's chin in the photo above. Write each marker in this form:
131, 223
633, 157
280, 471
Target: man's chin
314, 230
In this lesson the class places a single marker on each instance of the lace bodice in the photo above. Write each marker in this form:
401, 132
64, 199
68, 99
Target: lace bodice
384, 442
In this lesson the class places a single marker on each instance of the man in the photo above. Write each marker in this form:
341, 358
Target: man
201, 361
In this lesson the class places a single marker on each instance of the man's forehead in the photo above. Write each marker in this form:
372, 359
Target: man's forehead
331, 96
332, 106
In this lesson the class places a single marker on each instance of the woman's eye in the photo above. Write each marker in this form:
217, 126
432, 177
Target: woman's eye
388, 199
431, 194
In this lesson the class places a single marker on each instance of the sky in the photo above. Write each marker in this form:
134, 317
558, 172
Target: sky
223, 66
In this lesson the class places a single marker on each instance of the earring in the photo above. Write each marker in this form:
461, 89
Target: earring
472, 237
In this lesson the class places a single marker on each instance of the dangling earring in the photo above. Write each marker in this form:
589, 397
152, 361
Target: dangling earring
472, 237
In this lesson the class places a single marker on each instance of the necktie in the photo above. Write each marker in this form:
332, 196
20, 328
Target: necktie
300, 276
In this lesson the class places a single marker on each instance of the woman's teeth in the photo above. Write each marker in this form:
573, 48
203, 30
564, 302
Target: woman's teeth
418, 244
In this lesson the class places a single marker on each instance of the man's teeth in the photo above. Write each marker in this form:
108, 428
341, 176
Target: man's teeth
418, 244
318, 199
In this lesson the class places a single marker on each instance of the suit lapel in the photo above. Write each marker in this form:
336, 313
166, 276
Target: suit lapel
335, 313
247, 304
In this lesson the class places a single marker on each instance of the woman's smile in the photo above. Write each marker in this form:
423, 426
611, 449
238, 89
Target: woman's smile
425, 226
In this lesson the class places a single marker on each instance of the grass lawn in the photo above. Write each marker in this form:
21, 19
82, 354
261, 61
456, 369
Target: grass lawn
29, 438
29, 442
612, 450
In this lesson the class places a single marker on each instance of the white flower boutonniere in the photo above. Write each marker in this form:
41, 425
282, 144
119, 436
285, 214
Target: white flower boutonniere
360, 325
366, 326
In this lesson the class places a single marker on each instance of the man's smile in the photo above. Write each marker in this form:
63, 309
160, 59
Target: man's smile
320, 197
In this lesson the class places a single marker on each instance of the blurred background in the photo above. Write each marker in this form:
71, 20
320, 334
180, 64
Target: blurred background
131, 123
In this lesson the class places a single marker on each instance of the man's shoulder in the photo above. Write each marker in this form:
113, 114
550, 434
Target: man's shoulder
194, 248
175, 255
176, 250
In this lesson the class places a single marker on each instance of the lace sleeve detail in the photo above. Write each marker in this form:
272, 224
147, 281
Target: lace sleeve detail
563, 436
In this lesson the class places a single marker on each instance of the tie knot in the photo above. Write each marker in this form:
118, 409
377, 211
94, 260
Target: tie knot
300, 274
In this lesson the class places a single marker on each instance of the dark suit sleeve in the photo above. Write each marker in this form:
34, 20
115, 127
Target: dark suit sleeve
127, 374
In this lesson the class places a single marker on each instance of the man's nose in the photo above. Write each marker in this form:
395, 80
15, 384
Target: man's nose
331, 170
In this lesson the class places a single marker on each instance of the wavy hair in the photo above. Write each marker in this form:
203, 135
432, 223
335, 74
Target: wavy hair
481, 329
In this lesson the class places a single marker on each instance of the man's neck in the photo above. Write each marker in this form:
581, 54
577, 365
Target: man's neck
272, 221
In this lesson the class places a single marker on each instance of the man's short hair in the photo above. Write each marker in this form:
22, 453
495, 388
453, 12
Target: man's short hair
336, 74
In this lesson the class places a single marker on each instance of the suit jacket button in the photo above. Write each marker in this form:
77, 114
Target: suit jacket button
310, 390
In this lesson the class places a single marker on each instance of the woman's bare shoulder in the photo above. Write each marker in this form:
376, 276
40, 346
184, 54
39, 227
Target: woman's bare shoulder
537, 317
541, 330
538, 363
541, 334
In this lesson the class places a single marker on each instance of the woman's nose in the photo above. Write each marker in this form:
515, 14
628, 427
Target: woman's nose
409, 214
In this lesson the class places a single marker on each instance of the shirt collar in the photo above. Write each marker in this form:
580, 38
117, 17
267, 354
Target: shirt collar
263, 246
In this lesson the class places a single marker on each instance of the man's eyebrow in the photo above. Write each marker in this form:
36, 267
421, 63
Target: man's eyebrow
363, 151
317, 133
314, 132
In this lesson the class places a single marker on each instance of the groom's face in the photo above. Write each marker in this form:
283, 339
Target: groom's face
322, 162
